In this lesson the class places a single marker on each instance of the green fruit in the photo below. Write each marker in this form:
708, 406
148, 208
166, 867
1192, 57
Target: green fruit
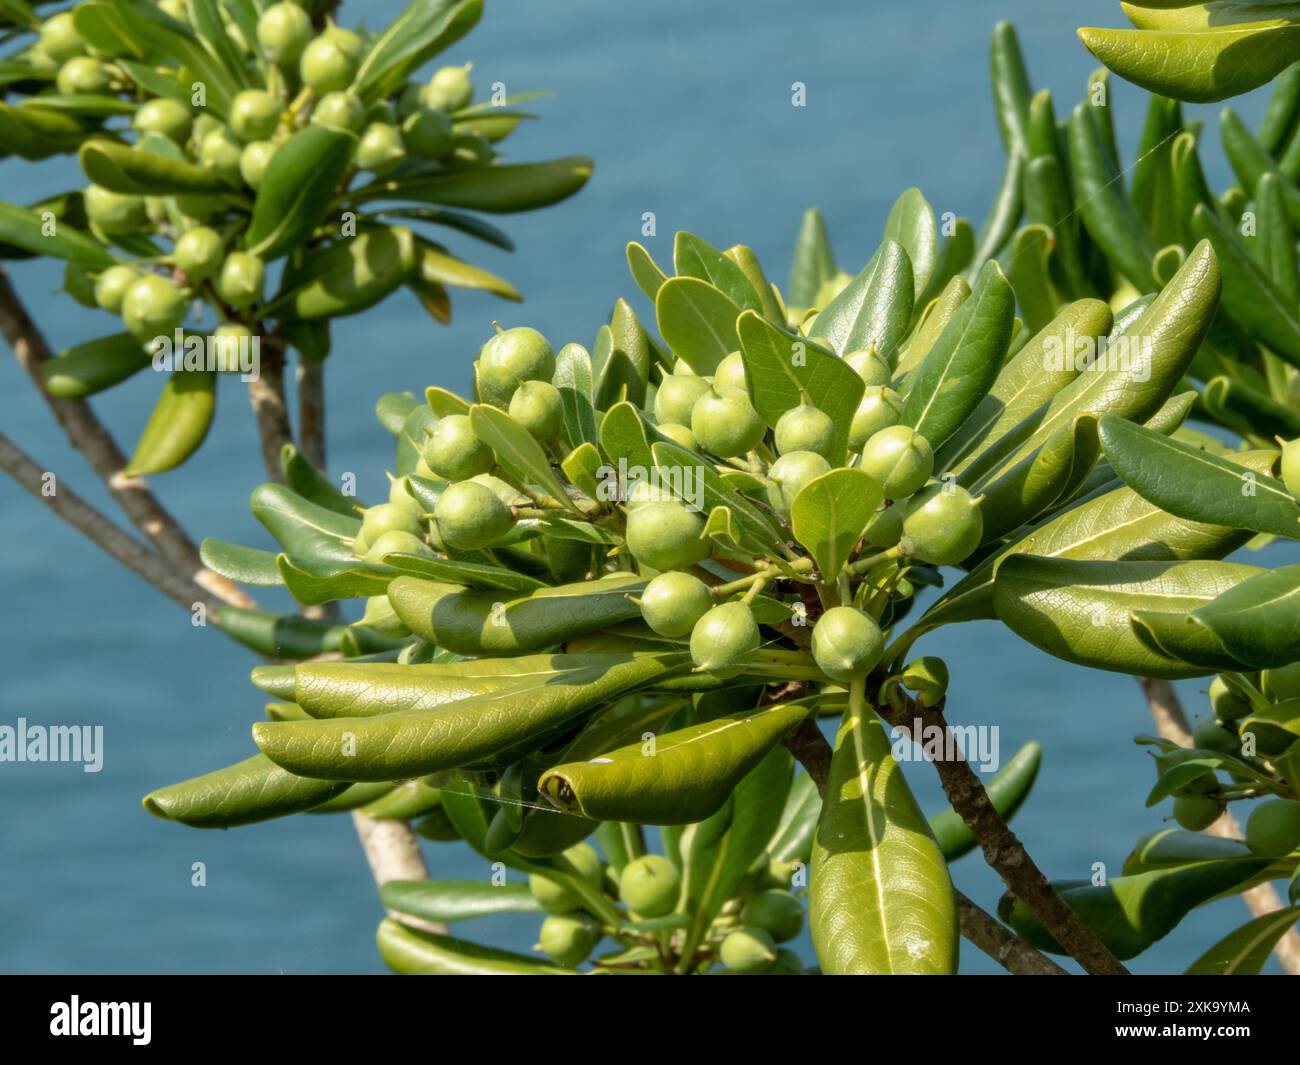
666, 536
254, 115
379, 613
339, 110
649, 886
928, 678
81, 74
1226, 703
454, 453
254, 160
400, 496
805, 428
567, 939
748, 950
880, 408
847, 644
1291, 467
283, 32
394, 542
871, 366
220, 151
726, 424
231, 342
789, 474
384, 518
449, 89
171, 118
512, 356
676, 398
885, 528
671, 605
152, 306
942, 525
427, 134
731, 374
241, 279
78, 283
1273, 829
1195, 812
470, 516
898, 459
537, 406
646, 491
724, 638
111, 286
1210, 735
559, 898
1282, 683
380, 149
59, 38
198, 252
787, 963
115, 213
777, 912
328, 64
678, 434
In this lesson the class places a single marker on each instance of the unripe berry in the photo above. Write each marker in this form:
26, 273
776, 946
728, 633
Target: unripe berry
726, 424
676, 398
880, 408
646, 491
380, 149
450, 89
198, 252
898, 459
1291, 467
847, 644
748, 950
81, 74
789, 474
241, 279
470, 516
220, 152
1210, 735
649, 885
666, 536
672, 603
678, 434
724, 638
559, 898
283, 32
567, 938
513, 355
1226, 703
454, 452
383, 518
1273, 829
152, 306
254, 160
942, 525
59, 38
254, 115
111, 286
115, 213
1195, 812
339, 110
171, 118
395, 542
871, 366
804, 428
537, 406
231, 345
427, 134
776, 911
328, 64
731, 373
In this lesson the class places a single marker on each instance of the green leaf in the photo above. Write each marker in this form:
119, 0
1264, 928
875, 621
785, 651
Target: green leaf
517, 450
437, 266
405, 744
315, 581
793, 838
829, 515
209, 24
469, 574
497, 189
911, 225
1007, 790
179, 423
1011, 89
146, 23
457, 900
244, 565
645, 271
623, 437
1244, 951
875, 308
477, 622
304, 529
962, 365
1196, 485
99, 25
299, 184
412, 952
130, 170
1130, 913
280, 635
27, 229
1258, 621
686, 778
1032, 255
697, 321
420, 32
880, 900
249, 791
693, 257
90, 367
813, 264
784, 371
1080, 610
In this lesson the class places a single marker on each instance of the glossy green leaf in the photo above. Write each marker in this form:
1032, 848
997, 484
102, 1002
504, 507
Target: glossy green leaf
573, 378
813, 263
26, 228
496, 189
1003, 217
1032, 257
875, 308
304, 529
1196, 485
130, 170
647, 274
625, 371
880, 900
249, 791
829, 515
279, 635
516, 449
85, 369
413, 952
685, 777
693, 257
298, 186
457, 900
347, 277
315, 581
1244, 951
1258, 621
697, 321
421, 31
793, 838
911, 225
459, 571
1080, 611
244, 565
179, 423
934, 320
1011, 90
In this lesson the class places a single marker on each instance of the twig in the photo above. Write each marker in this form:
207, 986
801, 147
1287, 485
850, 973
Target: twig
311, 411
89, 436
101, 530
811, 750
393, 853
1004, 852
1171, 723
266, 394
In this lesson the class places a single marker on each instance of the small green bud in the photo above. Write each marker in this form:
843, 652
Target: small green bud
928, 678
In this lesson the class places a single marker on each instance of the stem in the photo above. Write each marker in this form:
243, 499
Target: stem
311, 411
811, 750
88, 435
633, 840
393, 853
266, 394
1003, 850
1171, 723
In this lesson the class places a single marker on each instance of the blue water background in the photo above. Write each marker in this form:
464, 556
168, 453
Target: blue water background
686, 108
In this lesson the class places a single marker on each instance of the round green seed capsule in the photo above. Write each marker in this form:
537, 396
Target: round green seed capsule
871, 366
676, 398
666, 536
111, 286
81, 74
116, 213
880, 408
885, 528
726, 424
1273, 828
678, 434
220, 151
512, 356
454, 452
339, 110
537, 406
724, 638
380, 149
649, 885
254, 115
59, 38
898, 459
776, 911
1210, 735
942, 525
1195, 812
384, 518
152, 306
254, 160
395, 542
748, 950
428, 134
241, 279
789, 474
847, 644
283, 32
169, 117
328, 64
1226, 703
731, 374
198, 252
805, 428
450, 89
568, 938
470, 516
673, 602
